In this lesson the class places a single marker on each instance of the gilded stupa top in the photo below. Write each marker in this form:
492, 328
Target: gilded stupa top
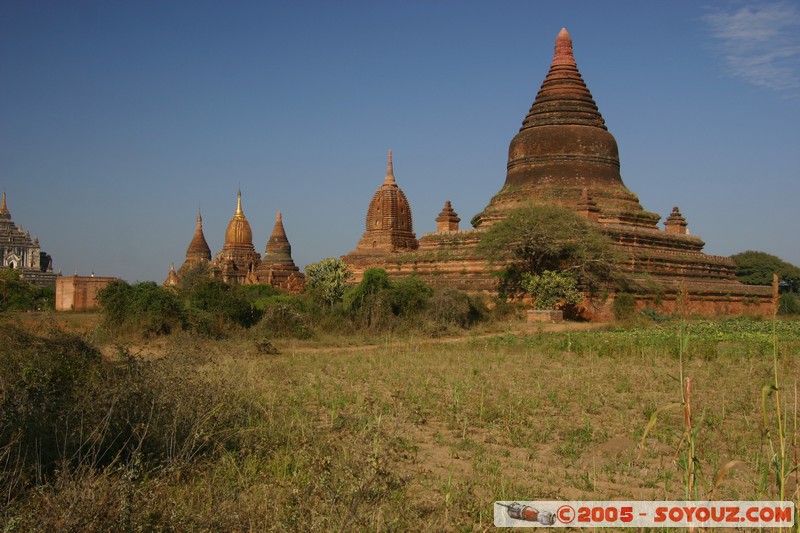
239, 231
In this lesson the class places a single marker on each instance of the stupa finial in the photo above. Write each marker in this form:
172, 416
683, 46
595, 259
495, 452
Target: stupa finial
389, 179
239, 203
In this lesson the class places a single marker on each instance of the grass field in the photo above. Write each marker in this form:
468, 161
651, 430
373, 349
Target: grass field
408, 433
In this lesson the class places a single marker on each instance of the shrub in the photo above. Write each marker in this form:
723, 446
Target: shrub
18, 295
63, 408
452, 307
285, 318
624, 306
227, 305
552, 289
408, 296
327, 280
144, 306
788, 304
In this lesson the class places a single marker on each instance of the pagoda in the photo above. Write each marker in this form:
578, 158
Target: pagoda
564, 155
277, 267
238, 260
389, 228
21, 253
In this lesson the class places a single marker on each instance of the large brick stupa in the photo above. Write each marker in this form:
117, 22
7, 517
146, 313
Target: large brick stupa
564, 154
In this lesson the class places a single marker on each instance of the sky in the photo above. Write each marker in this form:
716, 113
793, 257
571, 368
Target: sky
120, 119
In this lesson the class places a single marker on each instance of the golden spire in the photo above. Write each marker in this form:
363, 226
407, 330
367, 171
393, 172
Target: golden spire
389, 179
239, 212
3, 208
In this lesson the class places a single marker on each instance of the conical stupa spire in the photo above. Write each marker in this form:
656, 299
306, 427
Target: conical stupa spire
3, 207
278, 230
172, 277
564, 98
389, 179
278, 248
239, 211
198, 247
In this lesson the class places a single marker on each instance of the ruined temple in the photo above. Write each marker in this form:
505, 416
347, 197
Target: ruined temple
564, 155
21, 253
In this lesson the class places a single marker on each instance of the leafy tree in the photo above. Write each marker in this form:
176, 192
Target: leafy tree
537, 238
19, 295
551, 290
409, 296
223, 303
375, 280
328, 279
145, 306
757, 268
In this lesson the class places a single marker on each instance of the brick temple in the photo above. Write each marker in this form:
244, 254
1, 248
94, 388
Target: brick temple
563, 154
238, 263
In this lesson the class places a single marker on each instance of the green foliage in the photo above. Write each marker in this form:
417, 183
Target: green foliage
452, 307
624, 306
16, 294
328, 279
408, 296
536, 238
205, 306
228, 305
757, 268
375, 280
551, 290
260, 296
144, 306
285, 317
788, 304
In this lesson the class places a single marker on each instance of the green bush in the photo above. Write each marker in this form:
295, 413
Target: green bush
327, 280
552, 290
285, 317
624, 306
144, 307
16, 294
408, 296
227, 305
789, 304
452, 307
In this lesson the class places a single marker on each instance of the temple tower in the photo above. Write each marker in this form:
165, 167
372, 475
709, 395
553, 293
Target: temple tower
389, 228
278, 268
19, 252
198, 251
238, 259
564, 148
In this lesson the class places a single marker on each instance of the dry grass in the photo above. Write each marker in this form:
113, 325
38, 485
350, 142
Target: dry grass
414, 434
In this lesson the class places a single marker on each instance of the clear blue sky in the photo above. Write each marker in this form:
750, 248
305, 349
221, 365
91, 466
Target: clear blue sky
118, 119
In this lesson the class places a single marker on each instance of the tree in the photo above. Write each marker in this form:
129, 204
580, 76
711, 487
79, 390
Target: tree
551, 290
757, 268
19, 295
538, 238
328, 279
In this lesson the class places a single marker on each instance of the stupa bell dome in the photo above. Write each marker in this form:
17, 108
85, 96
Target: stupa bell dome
238, 231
